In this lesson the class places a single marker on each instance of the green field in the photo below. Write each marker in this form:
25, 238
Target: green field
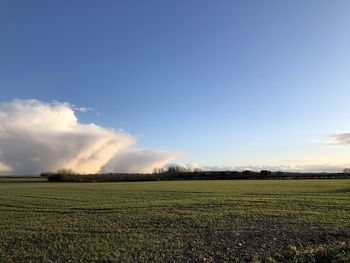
175, 221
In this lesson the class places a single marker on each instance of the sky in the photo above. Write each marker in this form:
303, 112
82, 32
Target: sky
215, 84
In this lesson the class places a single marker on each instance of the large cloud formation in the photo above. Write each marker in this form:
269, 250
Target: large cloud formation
37, 137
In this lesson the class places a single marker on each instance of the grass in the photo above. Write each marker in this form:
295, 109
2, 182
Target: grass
186, 221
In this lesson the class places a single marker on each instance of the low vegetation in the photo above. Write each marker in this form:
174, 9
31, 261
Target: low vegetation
181, 173
175, 221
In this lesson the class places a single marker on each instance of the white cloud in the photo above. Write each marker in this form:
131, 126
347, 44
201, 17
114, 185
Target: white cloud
37, 137
304, 168
328, 168
142, 161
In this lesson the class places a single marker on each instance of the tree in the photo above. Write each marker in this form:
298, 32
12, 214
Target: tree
265, 173
175, 169
158, 170
65, 171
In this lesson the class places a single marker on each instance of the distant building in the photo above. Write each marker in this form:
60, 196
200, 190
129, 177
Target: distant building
346, 171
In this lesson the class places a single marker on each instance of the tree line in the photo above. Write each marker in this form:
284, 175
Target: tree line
175, 172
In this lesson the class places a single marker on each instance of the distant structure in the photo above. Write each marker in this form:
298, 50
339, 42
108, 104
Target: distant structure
346, 171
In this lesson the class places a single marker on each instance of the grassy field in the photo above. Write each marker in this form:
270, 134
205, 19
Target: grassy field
179, 221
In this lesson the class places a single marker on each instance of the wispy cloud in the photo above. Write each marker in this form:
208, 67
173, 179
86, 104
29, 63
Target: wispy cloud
342, 138
83, 109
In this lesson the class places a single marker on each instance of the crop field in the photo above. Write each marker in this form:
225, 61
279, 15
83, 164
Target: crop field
174, 221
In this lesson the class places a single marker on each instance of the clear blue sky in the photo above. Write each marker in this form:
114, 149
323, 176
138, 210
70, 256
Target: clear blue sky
224, 82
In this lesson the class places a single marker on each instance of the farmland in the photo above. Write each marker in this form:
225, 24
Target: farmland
173, 221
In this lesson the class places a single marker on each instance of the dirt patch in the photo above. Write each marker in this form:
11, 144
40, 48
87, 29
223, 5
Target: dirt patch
249, 239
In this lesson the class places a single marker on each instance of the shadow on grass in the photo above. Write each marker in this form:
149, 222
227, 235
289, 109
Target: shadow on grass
340, 191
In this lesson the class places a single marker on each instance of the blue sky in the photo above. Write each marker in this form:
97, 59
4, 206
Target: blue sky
226, 83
